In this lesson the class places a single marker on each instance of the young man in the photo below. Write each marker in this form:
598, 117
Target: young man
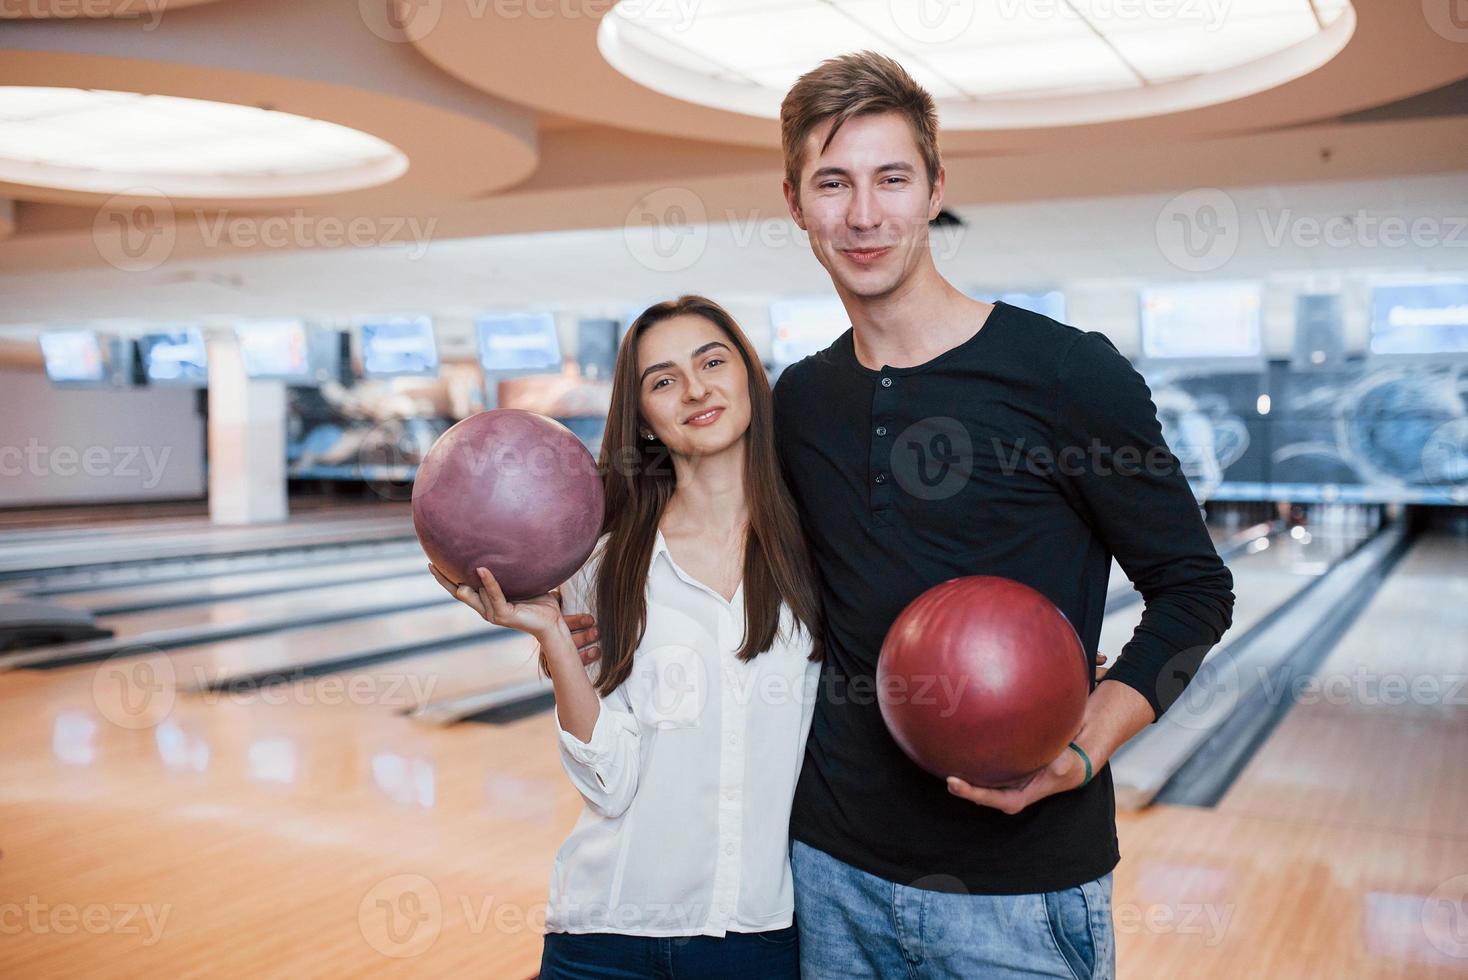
939, 437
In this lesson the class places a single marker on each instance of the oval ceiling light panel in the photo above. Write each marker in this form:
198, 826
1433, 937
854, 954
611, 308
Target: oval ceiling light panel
1003, 64
104, 142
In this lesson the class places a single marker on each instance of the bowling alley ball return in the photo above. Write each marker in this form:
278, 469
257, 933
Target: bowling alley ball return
26, 624
983, 678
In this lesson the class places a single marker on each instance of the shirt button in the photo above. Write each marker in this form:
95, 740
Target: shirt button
886, 382
881, 478
881, 430
728, 848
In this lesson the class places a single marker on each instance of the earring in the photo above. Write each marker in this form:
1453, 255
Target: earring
649, 436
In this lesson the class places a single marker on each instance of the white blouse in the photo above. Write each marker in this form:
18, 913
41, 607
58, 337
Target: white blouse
689, 774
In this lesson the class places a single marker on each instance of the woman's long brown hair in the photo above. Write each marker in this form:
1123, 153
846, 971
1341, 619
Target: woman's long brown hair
639, 479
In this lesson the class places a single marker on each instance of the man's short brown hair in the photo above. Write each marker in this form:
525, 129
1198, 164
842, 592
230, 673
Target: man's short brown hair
855, 85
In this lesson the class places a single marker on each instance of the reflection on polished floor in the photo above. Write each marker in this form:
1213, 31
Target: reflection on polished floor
314, 827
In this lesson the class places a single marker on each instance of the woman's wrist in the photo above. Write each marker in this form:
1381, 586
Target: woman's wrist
556, 642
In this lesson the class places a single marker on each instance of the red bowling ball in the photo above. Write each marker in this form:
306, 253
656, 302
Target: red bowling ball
513, 491
982, 678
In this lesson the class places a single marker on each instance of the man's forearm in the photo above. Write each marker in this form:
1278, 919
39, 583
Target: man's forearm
1114, 713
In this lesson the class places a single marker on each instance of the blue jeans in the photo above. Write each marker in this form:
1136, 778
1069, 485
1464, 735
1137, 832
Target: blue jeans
771, 955
854, 924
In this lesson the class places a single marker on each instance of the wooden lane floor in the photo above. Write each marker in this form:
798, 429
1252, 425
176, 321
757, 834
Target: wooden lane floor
302, 651
503, 659
408, 560
1341, 850
1212, 894
303, 602
260, 839
284, 838
94, 523
1379, 738
275, 839
202, 530
32, 558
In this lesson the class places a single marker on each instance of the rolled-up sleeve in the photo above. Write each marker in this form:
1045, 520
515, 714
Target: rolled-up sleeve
1130, 487
604, 770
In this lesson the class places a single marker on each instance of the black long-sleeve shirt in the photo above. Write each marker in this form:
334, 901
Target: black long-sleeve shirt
1031, 451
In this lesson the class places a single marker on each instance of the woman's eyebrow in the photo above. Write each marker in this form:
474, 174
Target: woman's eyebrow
661, 365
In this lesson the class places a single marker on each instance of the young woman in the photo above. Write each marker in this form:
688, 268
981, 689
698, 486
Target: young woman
687, 741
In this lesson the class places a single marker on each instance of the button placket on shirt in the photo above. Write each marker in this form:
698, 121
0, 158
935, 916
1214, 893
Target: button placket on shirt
731, 756
879, 460
731, 774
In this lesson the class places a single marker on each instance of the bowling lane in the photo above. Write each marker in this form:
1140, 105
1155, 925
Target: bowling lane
290, 650
304, 602
1379, 739
222, 587
37, 558
1264, 579
505, 658
196, 569
97, 525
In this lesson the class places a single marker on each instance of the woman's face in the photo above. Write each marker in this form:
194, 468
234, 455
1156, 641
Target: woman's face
693, 388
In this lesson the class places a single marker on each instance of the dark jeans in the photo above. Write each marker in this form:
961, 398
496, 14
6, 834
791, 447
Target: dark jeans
772, 955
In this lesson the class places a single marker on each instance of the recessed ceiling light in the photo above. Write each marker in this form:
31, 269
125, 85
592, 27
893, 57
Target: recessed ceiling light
122, 142
1009, 64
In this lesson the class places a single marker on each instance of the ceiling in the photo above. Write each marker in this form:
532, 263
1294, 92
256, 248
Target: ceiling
537, 174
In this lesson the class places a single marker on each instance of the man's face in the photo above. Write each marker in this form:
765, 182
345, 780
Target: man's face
866, 203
